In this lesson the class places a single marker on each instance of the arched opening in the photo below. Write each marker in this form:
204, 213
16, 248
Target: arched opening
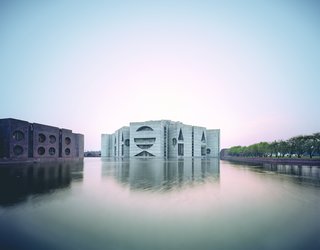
144, 128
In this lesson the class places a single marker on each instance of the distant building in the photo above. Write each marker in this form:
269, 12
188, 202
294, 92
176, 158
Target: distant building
92, 154
161, 138
23, 141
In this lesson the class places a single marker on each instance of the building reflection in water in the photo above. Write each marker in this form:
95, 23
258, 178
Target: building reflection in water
301, 173
18, 182
158, 174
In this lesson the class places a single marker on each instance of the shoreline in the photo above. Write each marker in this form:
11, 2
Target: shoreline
265, 160
10, 162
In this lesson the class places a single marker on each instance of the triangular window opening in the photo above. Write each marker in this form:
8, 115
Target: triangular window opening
203, 139
180, 138
144, 153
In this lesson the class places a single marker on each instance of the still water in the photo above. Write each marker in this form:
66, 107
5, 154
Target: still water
156, 204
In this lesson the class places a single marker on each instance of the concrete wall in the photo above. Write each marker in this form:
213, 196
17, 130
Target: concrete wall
173, 140
187, 139
198, 131
45, 141
117, 144
67, 144
79, 138
14, 139
213, 142
106, 145
161, 139
147, 137
21, 140
125, 141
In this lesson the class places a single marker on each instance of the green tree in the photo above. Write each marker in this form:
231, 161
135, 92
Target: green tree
309, 145
283, 148
235, 151
316, 142
297, 145
274, 148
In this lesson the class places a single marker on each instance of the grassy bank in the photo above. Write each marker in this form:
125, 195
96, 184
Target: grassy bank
274, 160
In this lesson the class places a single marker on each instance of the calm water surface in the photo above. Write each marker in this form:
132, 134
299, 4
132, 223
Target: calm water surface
156, 204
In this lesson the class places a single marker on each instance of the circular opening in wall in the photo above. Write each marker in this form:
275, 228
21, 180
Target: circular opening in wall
67, 151
67, 140
127, 142
52, 151
18, 135
174, 141
52, 139
18, 150
41, 138
208, 151
41, 151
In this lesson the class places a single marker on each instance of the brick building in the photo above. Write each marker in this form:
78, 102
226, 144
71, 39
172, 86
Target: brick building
23, 141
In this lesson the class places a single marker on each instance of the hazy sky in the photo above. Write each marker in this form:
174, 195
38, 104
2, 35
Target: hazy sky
250, 68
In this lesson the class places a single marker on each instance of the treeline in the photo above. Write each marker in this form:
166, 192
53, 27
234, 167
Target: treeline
295, 146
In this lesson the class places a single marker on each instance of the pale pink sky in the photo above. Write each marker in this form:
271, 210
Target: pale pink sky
250, 69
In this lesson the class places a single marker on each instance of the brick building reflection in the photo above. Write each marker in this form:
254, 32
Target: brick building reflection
18, 182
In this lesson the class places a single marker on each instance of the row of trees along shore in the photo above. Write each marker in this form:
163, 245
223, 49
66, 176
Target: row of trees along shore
297, 146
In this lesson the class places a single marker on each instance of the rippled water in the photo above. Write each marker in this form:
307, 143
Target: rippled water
156, 204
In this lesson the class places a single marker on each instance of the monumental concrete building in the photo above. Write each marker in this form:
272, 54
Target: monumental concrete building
163, 138
24, 141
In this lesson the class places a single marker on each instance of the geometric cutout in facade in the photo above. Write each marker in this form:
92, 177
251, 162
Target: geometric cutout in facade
52, 139
67, 151
203, 139
18, 135
145, 140
41, 138
163, 141
144, 128
203, 150
67, 140
144, 146
180, 138
174, 141
144, 153
18, 150
180, 149
23, 141
52, 151
41, 150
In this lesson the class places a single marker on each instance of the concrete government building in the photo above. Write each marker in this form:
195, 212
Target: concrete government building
163, 138
24, 141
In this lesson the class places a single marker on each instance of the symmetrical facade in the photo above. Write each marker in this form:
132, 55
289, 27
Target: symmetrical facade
22, 141
161, 138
